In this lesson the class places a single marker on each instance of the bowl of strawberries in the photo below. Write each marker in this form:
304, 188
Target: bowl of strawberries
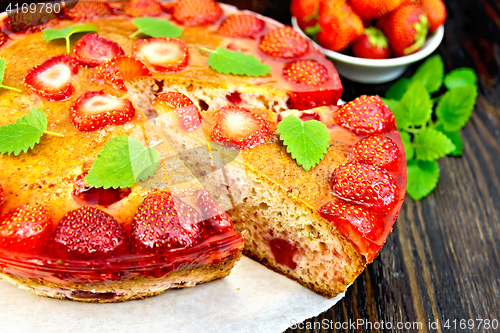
371, 41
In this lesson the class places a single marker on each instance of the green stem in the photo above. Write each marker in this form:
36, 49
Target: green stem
412, 130
205, 49
68, 44
54, 134
135, 34
10, 88
437, 123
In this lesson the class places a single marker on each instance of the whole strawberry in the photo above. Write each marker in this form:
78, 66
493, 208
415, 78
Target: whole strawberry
241, 25
372, 9
305, 11
406, 29
372, 45
376, 150
284, 42
435, 11
339, 25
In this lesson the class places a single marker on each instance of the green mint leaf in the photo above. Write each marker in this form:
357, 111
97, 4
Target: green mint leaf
398, 89
456, 138
430, 73
122, 162
409, 149
2, 73
23, 134
66, 32
306, 141
455, 107
393, 105
415, 108
236, 63
460, 77
154, 27
422, 178
430, 144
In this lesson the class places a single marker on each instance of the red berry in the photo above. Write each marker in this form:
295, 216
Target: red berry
284, 42
162, 223
367, 185
241, 127
89, 233
241, 25
305, 72
89, 10
188, 114
52, 79
3, 38
372, 9
140, 8
96, 109
196, 12
92, 50
166, 55
25, 229
305, 11
376, 150
116, 70
435, 11
215, 221
366, 115
372, 45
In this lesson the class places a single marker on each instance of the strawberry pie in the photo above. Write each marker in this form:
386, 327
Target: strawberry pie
146, 145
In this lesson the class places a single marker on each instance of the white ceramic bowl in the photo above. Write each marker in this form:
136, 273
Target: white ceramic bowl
376, 70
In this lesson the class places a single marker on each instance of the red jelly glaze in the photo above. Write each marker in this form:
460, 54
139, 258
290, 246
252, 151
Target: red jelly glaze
93, 196
283, 252
234, 97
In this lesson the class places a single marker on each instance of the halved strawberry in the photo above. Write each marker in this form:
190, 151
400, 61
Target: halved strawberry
164, 54
376, 150
52, 79
366, 115
241, 127
367, 185
241, 25
92, 50
215, 221
25, 229
196, 12
89, 10
187, 112
356, 224
163, 223
3, 38
140, 8
116, 70
284, 42
89, 233
305, 72
96, 109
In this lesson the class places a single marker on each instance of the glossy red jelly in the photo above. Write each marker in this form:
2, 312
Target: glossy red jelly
283, 252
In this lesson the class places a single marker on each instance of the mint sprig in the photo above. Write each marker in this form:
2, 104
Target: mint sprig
154, 27
122, 162
236, 63
306, 141
427, 135
2, 73
51, 34
24, 133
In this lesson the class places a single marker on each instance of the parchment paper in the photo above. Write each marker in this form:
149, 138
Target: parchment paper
252, 299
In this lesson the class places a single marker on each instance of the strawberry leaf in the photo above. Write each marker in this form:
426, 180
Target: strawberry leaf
306, 141
236, 63
460, 77
2, 73
409, 149
23, 134
122, 162
431, 144
455, 107
51, 34
422, 178
430, 73
415, 108
154, 27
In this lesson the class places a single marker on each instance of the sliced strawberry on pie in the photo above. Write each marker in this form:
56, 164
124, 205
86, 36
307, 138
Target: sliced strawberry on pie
196, 12
89, 233
356, 224
284, 42
305, 72
162, 223
215, 221
187, 112
240, 126
140, 8
89, 10
376, 150
3, 38
1, 195
164, 54
25, 229
92, 50
241, 25
118, 69
366, 115
366, 185
96, 109
52, 79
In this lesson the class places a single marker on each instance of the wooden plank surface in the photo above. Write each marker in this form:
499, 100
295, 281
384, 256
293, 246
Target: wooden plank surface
442, 261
